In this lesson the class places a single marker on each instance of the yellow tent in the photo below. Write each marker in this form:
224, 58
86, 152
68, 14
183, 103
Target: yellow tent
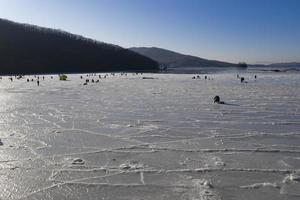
63, 77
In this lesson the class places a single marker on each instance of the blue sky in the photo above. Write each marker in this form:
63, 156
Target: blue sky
254, 31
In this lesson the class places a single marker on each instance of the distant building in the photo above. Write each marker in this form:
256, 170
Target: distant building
242, 65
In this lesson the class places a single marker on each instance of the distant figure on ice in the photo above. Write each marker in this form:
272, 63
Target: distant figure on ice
217, 100
38, 83
242, 79
255, 76
205, 77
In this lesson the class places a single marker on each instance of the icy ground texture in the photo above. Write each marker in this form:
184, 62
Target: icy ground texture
132, 138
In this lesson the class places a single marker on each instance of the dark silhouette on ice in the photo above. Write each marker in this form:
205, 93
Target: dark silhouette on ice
217, 100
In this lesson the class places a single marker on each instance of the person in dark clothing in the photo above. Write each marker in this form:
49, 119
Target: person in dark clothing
217, 100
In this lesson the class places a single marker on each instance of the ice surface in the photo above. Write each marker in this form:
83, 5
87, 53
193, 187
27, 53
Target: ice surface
163, 138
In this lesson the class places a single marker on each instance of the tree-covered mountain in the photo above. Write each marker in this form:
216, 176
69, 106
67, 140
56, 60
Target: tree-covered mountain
290, 65
278, 65
27, 49
174, 60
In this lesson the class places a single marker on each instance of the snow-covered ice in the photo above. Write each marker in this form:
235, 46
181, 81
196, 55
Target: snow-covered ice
129, 137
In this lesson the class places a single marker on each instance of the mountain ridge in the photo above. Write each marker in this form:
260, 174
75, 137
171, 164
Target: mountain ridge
173, 60
29, 49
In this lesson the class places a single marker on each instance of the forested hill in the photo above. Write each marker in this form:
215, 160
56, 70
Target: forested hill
174, 60
27, 49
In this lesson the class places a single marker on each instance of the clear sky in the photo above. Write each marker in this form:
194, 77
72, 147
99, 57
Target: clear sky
254, 31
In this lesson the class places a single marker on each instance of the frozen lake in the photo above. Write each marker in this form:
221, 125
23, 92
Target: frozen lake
142, 139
